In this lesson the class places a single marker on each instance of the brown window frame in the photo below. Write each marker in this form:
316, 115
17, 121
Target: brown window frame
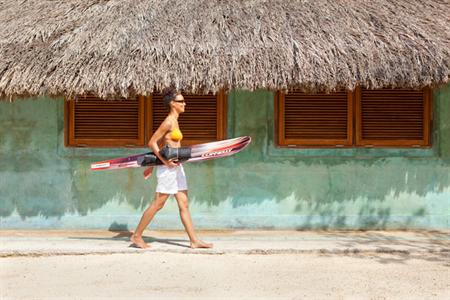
353, 128
427, 120
309, 143
221, 119
145, 126
72, 141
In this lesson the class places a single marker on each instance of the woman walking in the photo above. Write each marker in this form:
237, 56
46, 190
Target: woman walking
171, 179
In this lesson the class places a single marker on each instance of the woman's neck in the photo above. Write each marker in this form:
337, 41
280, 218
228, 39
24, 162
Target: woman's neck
174, 114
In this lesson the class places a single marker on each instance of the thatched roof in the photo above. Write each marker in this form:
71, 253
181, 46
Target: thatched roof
134, 46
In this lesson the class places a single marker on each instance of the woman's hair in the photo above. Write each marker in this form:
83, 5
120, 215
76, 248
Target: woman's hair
168, 95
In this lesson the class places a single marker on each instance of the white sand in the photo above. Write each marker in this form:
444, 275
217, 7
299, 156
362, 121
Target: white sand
152, 275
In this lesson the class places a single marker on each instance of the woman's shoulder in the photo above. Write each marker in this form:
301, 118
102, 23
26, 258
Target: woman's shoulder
168, 122
171, 120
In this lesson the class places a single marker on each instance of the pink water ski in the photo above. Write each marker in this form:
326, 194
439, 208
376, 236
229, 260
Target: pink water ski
187, 154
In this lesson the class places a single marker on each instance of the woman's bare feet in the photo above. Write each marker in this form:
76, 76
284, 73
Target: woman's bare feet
138, 242
148, 172
200, 244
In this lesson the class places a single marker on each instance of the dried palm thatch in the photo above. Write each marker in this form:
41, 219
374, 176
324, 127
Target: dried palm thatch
123, 47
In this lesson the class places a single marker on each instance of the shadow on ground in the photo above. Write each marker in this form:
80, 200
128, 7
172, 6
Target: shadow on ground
125, 236
433, 246
386, 248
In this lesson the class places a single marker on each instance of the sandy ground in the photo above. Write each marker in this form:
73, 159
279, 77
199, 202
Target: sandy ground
153, 275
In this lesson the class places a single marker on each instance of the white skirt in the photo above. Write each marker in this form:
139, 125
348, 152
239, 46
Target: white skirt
170, 180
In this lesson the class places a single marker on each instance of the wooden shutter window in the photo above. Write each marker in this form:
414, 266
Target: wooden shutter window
204, 119
314, 119
392, 117
105, 123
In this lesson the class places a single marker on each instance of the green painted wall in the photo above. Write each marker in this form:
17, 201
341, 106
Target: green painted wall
45, 185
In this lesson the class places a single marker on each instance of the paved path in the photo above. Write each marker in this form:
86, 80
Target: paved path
34, 243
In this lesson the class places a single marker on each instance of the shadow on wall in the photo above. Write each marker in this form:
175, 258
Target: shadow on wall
359, 194
35, 181
70, 189
330, 194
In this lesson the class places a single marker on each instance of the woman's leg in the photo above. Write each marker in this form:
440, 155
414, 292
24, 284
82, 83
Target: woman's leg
183, 205
147, 216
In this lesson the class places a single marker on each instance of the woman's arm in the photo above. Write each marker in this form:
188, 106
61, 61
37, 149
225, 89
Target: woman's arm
153, 143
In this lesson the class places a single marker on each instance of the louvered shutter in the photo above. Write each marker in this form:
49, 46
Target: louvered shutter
204, 119
389, 117
97, 122
314, 119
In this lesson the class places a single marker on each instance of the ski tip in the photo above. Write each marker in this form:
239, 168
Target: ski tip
100, 166
246, 139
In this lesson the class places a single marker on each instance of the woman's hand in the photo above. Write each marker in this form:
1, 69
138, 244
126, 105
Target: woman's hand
171, 164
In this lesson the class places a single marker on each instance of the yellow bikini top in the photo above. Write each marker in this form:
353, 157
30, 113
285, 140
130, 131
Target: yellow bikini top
176, 135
